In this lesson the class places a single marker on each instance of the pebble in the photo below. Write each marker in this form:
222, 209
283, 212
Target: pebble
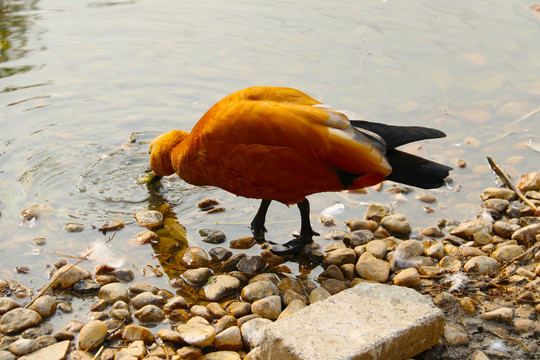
113, 292
136, 332
201, 311
194, 257
527, 235
292, 308
22, 347
469, 251
150, 219
55, 351
138, 288
207, 203
258, 290
242, 243
146, 237
67, 276
229, 339
222, 355
467, 229
216, 310
377, 248
432, 231
230, 264
219, 286
396, 224
215, 237
504, 314
499, 205
44, 305
170, 335
435, 251
482, 264
482, 238
189, 353
269, 307
427, 198
371, 268
334, 286
19, 319
35, 211
376, 212
360, 224
454, 335
252, 264
197, 276
220, 254
73, 227
149, 314
197, 334
225, 322
339, 257
408, 277
525, 325
530, 181
146, 298
92, 335
504, 228
333, 272
507, 253
357, 238
239, 309
253, 331
7, 304
498, 193
468, 305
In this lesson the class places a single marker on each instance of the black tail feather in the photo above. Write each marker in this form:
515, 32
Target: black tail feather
416, 171
407, 168
398, 135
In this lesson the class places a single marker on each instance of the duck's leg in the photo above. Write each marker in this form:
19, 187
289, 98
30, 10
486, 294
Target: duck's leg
306, 234
257, 225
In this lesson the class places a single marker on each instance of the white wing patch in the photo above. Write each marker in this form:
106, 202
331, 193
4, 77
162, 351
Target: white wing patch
335, 118
346, 134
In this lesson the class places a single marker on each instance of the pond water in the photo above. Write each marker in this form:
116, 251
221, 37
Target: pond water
79, 79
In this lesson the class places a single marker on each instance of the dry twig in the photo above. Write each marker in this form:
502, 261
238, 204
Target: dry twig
509, 183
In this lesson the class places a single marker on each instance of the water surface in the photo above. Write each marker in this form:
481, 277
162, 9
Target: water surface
78, 80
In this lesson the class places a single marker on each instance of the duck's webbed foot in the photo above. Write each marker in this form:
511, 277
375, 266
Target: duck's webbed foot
306, 234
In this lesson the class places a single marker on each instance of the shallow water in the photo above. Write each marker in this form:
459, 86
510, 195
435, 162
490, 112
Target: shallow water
78, 79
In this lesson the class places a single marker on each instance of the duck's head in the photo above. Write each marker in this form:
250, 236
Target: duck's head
160, 151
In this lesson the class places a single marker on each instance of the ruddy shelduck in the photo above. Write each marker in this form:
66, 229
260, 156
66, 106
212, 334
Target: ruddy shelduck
276, 143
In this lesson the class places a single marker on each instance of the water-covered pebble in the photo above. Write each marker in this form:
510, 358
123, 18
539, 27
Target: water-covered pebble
113, 292
67, 276
197, 276
150, 219
219, 286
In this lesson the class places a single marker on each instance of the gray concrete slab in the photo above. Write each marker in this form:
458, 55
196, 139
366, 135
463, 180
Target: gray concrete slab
369, 321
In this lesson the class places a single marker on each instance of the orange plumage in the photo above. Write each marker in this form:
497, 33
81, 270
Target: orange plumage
274, 143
